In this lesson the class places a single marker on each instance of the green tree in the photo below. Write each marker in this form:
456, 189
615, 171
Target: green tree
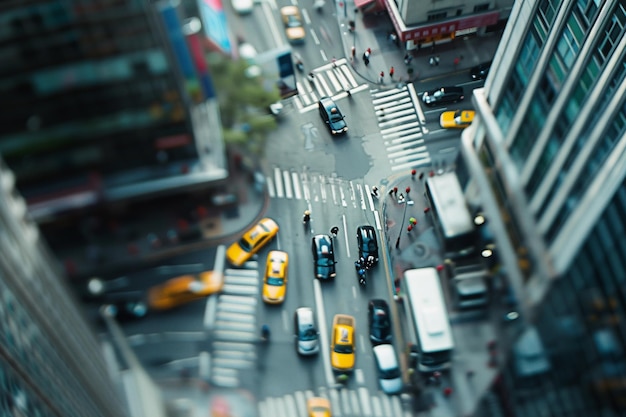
244, 104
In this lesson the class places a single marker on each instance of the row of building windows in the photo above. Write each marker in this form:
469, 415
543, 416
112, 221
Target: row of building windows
568, 115
612, 134
441, 15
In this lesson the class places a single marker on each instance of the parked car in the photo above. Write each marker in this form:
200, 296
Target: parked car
305, 332
332, 116
480, 71
389, 375
323, 257
456, 119
184, 289
292, 19
251, 242
443, 95
275, 279
367, 242
343, 346
379, 320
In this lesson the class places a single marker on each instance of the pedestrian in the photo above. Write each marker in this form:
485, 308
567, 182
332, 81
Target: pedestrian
334, 61
421, 176
437, 60
413, 221
382, 77
407, 190
375, 191
391, 72
369, 51
353, 52
395, 190
409, 228
334, 230
413, 172
431, 61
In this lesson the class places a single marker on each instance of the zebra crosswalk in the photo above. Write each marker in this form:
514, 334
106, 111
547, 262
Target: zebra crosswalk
401, 121
344, 403
235, 328
308, 186
330, 80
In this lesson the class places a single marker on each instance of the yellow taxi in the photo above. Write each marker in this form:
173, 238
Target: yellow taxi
251, 241
318, 407
459, 119
275, 281
292, 20
342, 348
184, 289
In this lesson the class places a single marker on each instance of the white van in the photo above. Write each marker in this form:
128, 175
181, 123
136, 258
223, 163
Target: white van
390, 377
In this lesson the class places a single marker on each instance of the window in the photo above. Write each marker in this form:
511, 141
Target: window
481, 7
437, 16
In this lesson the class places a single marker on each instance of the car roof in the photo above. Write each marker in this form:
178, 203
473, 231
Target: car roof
385, 356
305, 315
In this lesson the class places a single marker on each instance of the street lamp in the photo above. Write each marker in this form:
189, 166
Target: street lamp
408, 203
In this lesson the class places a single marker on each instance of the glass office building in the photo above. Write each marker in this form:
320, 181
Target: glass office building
100, 102
545, 161
51, 363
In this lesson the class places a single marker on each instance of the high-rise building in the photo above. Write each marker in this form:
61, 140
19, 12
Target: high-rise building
545, 162
106, 111
51, 363
103, 102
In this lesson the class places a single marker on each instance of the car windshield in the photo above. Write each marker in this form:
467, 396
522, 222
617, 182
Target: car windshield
381, 322
308, 334
275, 281
343, 349
390, 373
293, 22
245, 244
324, 262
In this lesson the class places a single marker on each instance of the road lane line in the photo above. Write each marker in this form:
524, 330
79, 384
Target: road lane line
364, 396
321, 320
345, 235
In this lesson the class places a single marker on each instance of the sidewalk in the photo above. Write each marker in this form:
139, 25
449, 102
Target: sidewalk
372, 31
476, 357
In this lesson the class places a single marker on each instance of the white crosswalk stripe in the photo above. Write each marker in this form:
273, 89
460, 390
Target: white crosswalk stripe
343, 403
318, 188
234, 330
400, 126
330, 81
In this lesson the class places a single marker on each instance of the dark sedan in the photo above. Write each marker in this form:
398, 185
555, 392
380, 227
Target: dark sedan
367, 242
323, 257
443, 95
480, 71
379, 321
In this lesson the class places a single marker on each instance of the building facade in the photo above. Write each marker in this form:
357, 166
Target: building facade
101, 102
422, 24
50, 361
545, 161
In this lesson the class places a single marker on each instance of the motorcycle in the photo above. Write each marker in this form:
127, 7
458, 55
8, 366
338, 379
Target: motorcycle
361, 273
